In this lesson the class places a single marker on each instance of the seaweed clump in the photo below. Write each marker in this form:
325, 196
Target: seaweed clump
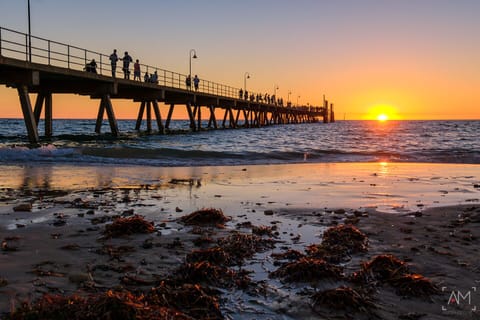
208, 216
307, 270
414, 285
108, 305
210, 274
383, 267
342, 298
239, 246
128, 226
395, 272
345, 238
197, 301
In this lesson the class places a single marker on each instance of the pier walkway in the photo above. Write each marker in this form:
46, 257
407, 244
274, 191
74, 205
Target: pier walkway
45, 67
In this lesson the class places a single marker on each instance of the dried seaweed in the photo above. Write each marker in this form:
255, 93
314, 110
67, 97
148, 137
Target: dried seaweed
288, 255
108, 305
414, 285
307, 270
342, 298
381, 268
208, 216
345, 238
207, 273
195, 300
241, 246
215, 255
264, 230
128, 226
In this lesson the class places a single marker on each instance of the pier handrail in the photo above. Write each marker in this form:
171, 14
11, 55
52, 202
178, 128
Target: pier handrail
15, 44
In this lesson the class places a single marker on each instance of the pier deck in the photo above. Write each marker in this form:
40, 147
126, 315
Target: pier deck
48, 67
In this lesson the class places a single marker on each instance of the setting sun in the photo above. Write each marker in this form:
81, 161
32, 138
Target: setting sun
382, 117
382, 112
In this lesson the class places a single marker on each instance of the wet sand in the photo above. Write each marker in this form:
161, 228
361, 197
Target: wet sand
426, 215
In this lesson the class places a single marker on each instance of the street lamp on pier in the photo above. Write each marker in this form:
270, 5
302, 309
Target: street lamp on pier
275, 88
245, 77
29, 35
298, 97
288, 97
190, 59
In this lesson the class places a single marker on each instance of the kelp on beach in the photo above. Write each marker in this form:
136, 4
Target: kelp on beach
214, 260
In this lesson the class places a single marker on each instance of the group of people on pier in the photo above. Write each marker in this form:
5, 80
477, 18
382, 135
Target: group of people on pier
269, 99
188, 82
153, 78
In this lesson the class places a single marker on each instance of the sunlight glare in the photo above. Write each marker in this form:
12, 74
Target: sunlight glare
382, 117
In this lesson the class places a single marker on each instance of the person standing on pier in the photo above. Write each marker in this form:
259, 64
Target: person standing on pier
136, 71
188, 82
113, 61
154, 77
196, 81
126, 64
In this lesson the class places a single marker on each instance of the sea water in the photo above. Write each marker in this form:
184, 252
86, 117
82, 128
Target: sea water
74, 142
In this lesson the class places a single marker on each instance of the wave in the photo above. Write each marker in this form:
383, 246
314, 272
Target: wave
128, 155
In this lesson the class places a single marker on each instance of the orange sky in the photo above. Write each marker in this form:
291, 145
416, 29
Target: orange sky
408, 59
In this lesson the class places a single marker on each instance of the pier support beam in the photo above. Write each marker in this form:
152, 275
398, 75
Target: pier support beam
212, 119
158, 116
141, 111
106, 105
191, 116
149, 105
169, 116
28, 115
44, 98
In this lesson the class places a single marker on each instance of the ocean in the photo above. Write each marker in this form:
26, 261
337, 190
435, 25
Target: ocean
74, 142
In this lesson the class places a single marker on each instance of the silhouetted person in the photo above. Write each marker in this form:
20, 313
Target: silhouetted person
136, 71
126, 64
146, 77
91, 66
240, 94
188, 82
113, 61
196, 81
154, 77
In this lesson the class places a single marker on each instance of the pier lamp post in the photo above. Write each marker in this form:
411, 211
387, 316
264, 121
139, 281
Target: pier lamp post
190, 59
298, 97
275, 88
245, 77
29, 34
288, 97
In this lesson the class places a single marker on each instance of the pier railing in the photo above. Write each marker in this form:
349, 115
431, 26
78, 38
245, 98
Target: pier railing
15, 44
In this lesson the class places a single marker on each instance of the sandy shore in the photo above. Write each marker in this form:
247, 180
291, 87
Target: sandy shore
425, 215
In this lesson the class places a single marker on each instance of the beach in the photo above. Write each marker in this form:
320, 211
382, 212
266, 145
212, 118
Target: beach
54, 220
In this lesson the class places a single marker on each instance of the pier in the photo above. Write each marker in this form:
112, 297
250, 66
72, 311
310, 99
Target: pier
44, 67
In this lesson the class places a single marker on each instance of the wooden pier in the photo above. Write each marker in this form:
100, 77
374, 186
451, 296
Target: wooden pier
48, 67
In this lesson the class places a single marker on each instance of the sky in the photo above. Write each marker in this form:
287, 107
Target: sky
408, 59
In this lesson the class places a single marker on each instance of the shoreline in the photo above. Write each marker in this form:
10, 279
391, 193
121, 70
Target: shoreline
57, 246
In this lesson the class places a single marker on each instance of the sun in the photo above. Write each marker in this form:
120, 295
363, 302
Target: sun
382, 117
